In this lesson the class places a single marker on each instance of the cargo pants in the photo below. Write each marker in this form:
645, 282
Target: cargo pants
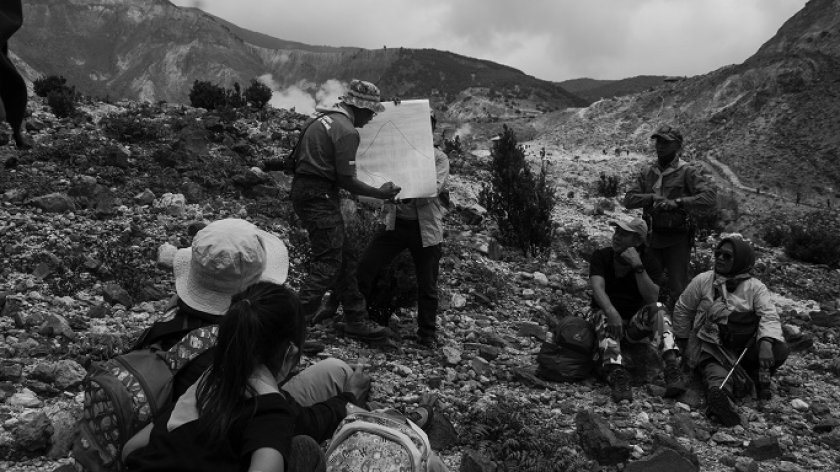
651, 324
332, 265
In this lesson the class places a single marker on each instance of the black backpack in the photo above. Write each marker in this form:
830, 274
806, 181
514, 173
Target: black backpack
571, 357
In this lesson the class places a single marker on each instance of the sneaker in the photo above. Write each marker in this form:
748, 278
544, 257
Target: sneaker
422, 416
674, 381
365, 330
619, 381
721, 406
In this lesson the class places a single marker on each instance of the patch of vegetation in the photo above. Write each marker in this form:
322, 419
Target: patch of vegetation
45, 85
608, 185
61, 103
517, 200
134, 128
515, 434
811, 237
257, 94
490, 283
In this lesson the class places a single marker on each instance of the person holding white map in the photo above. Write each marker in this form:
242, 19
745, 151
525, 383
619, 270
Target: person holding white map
325, 161
417, 225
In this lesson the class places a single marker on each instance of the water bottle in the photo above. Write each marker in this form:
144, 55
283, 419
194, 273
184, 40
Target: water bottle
764, 384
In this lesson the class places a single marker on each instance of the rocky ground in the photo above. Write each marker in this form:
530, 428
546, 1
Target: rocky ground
83, 217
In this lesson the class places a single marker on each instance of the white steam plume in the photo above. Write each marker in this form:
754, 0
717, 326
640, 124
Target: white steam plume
300, 99
463, 131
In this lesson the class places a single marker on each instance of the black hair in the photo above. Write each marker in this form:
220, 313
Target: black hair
263, 321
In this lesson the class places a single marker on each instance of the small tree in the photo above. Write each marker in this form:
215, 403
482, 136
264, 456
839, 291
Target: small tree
518, 201
257, 94
62, 103
51, 83
207, 95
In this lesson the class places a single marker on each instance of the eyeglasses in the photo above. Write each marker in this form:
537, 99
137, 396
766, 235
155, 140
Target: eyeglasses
723, 255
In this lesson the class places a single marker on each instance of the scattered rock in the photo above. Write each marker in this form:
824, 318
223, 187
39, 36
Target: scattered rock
442, 433
799, 405
146, 197
32, 434
64, 374
663, 460
473, 461
113, 294
598, 440
54, 203
56, 325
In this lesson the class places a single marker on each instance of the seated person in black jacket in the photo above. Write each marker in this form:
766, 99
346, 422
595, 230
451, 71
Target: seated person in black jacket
226, 257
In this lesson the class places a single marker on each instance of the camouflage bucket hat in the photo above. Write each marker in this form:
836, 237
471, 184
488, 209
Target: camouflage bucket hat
668, 133
363, 95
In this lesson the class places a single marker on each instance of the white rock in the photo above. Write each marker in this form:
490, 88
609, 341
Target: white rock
166, 256
26, 399
540, 278
800, 405
458, 301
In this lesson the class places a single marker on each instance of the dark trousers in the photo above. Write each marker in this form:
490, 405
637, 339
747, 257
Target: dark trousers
714, 373
384, 247
332, 265
674, 259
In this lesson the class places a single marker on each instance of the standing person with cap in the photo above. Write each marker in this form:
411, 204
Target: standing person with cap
624, 279
325, 162
416, 225
669, 191
13, 93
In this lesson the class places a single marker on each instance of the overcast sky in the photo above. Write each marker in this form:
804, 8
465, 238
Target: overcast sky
550, 39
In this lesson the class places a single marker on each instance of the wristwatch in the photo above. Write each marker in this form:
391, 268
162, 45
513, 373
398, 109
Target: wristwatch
639, 269
679, 202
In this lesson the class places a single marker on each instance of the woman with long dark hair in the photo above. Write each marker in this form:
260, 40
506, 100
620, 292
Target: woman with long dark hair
236, 417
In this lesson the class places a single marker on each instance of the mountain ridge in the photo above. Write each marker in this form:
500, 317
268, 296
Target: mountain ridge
153, 50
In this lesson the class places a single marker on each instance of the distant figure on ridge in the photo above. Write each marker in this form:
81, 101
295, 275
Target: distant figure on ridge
325, 162
13, 94
668, 191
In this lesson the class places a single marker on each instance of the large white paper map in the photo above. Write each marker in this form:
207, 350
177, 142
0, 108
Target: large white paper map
396, 146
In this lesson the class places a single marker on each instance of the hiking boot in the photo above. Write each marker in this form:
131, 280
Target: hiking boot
422, 416
619, 381
721, 406
365, 330
674, 381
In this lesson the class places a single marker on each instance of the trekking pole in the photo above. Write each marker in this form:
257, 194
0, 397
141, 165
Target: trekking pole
746, 348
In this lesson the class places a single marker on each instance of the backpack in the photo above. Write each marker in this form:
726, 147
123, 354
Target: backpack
376, 440
126, 393
571, 357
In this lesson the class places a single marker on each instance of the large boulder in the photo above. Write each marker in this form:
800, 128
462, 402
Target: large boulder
598, 440
54, 203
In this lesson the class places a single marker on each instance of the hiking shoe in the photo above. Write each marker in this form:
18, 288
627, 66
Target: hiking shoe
619, 381
674, 381
365, 330
721, 406
422, 416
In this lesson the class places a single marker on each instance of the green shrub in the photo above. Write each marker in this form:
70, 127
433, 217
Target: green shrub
43, 86
233, 97
518, 201
61, 103
257, 94
608, 185
814, 238
207, 95
516, 435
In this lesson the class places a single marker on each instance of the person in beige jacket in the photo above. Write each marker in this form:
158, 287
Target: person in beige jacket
724, 313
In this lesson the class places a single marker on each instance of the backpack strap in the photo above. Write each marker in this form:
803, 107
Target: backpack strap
195, 343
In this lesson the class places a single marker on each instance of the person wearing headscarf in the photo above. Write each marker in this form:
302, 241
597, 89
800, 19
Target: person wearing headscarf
13, 94
723, 313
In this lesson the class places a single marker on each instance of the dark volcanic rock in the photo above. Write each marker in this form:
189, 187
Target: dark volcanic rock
663, 460
598, 440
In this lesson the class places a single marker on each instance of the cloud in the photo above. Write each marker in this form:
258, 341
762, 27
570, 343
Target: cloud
329, 92
549, 39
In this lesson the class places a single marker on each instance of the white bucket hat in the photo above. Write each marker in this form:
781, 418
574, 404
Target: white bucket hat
226, 257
